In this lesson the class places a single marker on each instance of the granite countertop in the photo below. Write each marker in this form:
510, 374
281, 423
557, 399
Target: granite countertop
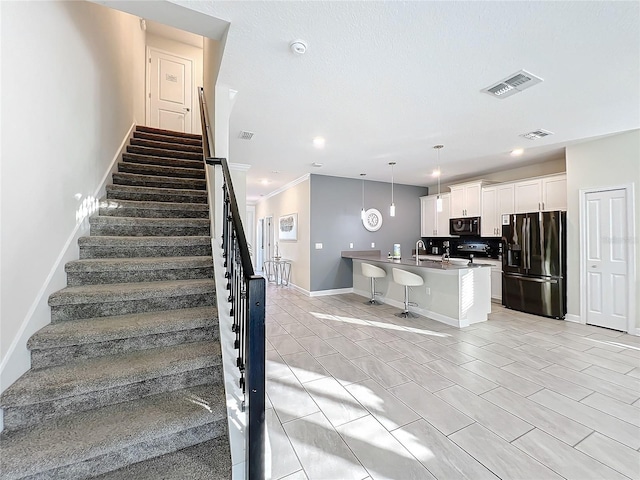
375, 256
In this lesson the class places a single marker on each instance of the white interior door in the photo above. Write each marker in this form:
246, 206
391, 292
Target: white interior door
169, 91
606, 262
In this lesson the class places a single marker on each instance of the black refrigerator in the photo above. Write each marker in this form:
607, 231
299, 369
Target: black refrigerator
534, 265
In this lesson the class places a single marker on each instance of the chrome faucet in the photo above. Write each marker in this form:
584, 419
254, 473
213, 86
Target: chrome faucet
424, 247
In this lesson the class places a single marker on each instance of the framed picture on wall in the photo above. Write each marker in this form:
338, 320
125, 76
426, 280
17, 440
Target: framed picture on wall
288, 227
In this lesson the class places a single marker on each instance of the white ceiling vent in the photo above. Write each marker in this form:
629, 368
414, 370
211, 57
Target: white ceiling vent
512, 84
244, 135
536, 134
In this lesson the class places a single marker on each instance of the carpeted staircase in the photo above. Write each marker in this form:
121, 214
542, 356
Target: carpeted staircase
130, 369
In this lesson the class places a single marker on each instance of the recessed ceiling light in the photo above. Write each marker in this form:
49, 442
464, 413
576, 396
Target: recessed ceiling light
316, 164
275, 171
298, 47
517, 152
264, 181
319, 142
436, 173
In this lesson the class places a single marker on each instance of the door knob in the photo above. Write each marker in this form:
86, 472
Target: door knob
187, 109
593, 266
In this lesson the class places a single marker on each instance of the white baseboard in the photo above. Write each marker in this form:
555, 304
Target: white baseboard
300, 289
636, 332
101, 191
569, 317
321, 293
335, 291
17, 360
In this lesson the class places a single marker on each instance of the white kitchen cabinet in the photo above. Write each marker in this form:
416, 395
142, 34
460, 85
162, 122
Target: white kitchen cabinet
496, 201
466, 199
541, 194
496, 277
528, 195
432, 222
554, 193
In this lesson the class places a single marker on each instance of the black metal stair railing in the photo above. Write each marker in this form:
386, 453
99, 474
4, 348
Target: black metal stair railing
246, 297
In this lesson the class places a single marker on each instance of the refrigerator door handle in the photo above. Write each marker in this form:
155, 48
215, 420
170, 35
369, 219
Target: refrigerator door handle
532, 279
525, 244
528, 243
525, 240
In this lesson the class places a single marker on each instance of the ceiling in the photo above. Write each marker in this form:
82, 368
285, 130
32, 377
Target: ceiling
386, 81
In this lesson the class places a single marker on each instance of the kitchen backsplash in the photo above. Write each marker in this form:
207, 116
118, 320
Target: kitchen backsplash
435, 245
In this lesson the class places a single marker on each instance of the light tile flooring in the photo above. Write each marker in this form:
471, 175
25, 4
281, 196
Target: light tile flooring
355, 392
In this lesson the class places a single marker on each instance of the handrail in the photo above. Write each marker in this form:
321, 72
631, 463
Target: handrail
204, 121
247, 295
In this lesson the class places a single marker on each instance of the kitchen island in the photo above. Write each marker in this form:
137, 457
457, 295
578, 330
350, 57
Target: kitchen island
458, 295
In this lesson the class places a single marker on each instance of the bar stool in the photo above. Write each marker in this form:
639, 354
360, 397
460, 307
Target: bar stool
407, 279
373, 272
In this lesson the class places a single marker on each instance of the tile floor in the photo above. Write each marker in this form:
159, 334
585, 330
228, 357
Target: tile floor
357, 393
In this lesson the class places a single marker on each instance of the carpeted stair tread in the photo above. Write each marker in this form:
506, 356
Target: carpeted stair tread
158, 181
96, 330
132, 226
146, 226
206, 461
169, 162
160, 170
97, 441
157, 194
160, 152
136, 208
167, 138
143, 263
143, 246
152, 241
101, 373
168, 133
122, 292
143, 269
158, 143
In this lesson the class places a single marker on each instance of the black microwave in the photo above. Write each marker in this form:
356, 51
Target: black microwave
464, 226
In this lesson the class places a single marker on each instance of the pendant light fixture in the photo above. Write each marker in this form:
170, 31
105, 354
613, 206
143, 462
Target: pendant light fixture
362, 175
392, 208
438, 198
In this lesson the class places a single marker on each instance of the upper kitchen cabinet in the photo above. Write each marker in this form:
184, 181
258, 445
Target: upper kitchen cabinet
554, 193
432, 222
496, 201
466, 199
541, 194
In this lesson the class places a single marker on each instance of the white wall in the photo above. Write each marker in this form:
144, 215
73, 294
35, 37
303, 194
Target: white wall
73, 85
292, 200
606, 162
510, 175
196, 56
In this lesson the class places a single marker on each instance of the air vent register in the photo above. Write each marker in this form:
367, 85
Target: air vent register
512, 84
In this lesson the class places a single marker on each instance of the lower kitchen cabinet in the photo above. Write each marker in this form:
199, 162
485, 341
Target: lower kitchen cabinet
496, 277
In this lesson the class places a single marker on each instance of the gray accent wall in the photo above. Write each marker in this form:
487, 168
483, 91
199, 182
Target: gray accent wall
335, 222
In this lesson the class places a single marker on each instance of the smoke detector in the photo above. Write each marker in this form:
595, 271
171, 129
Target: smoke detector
244, 135
298, 47
512, 84
536, 134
